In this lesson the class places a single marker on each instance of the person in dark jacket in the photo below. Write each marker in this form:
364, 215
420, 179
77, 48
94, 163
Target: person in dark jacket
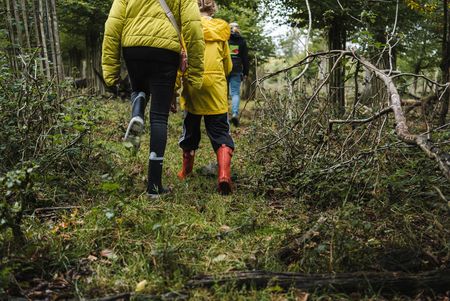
239, 56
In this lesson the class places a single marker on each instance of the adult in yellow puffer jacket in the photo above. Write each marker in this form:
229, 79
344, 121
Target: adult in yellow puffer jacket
210, 101
151, 49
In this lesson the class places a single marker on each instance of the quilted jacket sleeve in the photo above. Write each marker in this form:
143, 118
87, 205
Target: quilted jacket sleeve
112, 41
195, 44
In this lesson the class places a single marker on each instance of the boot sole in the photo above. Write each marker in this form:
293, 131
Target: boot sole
225, 188
134, 131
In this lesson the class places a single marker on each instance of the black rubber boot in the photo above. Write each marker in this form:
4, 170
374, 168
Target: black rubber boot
136, 125
154, 186
138, 104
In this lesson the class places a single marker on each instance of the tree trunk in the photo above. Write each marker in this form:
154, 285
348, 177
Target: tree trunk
337, 38
12, 49
59, 61
43, 40
93, 60
37, 35
51, 34
445, 66
25, 23
18, 26
374, 89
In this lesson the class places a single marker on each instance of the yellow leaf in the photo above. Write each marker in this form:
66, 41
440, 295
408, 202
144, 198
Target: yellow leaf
141, 286
225, 229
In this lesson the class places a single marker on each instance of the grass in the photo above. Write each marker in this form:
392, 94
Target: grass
117, 237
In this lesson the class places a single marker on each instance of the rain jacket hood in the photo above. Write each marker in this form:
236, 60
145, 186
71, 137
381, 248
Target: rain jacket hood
215, 30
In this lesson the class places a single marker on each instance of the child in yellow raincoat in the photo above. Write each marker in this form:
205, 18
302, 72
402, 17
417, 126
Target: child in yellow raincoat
210, 101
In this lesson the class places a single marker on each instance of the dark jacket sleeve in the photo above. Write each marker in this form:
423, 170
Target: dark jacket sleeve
243, 51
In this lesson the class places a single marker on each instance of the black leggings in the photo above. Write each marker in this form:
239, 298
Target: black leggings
217, 128
153, 71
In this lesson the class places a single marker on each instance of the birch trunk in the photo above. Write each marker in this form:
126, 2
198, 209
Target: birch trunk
44, 44
59, 61
50, 37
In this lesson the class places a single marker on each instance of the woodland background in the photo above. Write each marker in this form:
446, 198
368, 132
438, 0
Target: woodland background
342, 168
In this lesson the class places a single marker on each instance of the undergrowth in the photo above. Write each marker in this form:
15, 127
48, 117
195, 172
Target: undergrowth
90, 230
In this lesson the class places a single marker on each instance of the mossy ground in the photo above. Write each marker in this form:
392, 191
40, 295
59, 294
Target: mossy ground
117, 237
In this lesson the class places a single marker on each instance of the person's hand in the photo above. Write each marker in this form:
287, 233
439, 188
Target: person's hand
173, 105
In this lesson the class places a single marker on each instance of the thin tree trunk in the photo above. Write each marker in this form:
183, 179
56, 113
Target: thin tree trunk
9, 17
50, 37
445, 66
59, 61
17, 21
12, 49
336, 41
44, 44
93, 61
374, 89
25, 23
37, 35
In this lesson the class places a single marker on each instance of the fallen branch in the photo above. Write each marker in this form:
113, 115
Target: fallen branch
420, 76
402, 129
360, 121
384, 282
411, 104
395, 105
298, 243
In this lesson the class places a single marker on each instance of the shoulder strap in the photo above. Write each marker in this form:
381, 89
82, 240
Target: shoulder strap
171, 18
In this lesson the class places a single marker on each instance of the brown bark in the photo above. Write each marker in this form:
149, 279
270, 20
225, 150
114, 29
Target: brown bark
384, 282
93, 58
12, 49
336, 41
23, 4
37, 34
17, 23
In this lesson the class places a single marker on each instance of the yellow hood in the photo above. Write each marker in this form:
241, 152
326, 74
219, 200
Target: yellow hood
215, 30
212, 97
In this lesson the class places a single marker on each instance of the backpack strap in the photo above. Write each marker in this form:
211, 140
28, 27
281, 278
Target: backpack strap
171, 18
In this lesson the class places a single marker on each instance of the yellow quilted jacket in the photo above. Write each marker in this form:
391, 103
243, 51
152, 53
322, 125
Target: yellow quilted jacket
212, 97
144, 23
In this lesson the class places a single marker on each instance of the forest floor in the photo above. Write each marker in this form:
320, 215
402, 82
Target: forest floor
112, 239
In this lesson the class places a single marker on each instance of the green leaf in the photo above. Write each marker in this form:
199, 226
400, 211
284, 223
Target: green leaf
110, 187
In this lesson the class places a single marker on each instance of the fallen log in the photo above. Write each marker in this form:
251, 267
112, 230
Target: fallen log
384, 282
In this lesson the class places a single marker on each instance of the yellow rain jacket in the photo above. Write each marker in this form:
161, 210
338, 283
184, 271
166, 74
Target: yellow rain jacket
212, 97
144, 23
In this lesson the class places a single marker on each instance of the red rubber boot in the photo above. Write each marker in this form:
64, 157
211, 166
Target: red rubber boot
188, 164
224, 154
